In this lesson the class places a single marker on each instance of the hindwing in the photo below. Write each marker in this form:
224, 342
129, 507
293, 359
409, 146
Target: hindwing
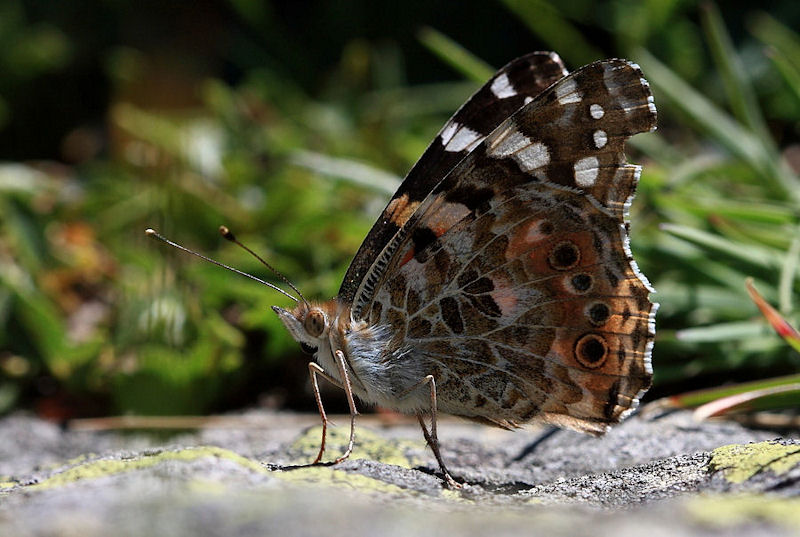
513, 277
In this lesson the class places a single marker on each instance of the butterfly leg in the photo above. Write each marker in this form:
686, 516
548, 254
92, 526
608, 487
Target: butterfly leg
313, 371
348, 390
432, 438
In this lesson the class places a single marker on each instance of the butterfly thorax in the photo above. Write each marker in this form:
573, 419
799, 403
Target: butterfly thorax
379, 372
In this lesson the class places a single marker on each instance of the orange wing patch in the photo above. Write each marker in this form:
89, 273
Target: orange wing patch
400, 210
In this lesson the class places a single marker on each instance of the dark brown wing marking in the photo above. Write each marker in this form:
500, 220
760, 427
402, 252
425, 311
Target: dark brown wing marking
509, 89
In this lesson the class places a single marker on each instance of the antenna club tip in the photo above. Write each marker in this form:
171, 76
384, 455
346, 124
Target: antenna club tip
225, 232
150, 231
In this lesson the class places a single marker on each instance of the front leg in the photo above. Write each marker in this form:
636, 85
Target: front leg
315, 370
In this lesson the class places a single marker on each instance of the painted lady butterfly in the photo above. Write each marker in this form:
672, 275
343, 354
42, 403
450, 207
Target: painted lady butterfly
498, 283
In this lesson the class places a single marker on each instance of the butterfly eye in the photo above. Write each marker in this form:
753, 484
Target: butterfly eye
307, 349
314, 323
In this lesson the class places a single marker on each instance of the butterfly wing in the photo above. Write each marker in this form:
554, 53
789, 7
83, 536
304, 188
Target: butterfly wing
513, 281
508, 90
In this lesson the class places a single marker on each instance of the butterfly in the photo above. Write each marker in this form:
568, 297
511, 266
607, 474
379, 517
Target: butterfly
498, 283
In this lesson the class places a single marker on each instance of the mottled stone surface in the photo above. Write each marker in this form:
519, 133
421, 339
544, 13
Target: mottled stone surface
670, 476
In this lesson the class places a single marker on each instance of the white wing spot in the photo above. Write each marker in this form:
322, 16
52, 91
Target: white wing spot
448, 131
507, 142
528, 99
586, 171
502, 88
567, 92
464, 138
532, 157
597, 111
600, 138
510, 142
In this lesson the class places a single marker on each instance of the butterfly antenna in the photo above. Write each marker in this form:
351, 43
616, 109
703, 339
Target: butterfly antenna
225, 232
154, 235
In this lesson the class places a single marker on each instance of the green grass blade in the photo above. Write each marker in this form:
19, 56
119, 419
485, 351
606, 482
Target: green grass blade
763, 213
700, 397
788, 70
357, 173
780, 37
723, 332
734, 78
717, 124
784, 48
772, 398
788, 274
688, 168
750, 254
455, 55
691, 298
550, 26
419, 101
657, 148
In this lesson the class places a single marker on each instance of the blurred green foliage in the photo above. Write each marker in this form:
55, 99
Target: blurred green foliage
98, 319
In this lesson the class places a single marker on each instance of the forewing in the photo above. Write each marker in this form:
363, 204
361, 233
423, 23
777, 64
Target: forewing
506, 92
514, 279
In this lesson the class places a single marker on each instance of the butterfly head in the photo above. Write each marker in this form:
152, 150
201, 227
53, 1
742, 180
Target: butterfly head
308, 324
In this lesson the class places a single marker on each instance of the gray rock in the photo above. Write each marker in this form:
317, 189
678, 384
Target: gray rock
670, 475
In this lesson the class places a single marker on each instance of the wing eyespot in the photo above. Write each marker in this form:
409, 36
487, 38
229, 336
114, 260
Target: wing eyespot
598, 313
564, 256
580, 283
591, 351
